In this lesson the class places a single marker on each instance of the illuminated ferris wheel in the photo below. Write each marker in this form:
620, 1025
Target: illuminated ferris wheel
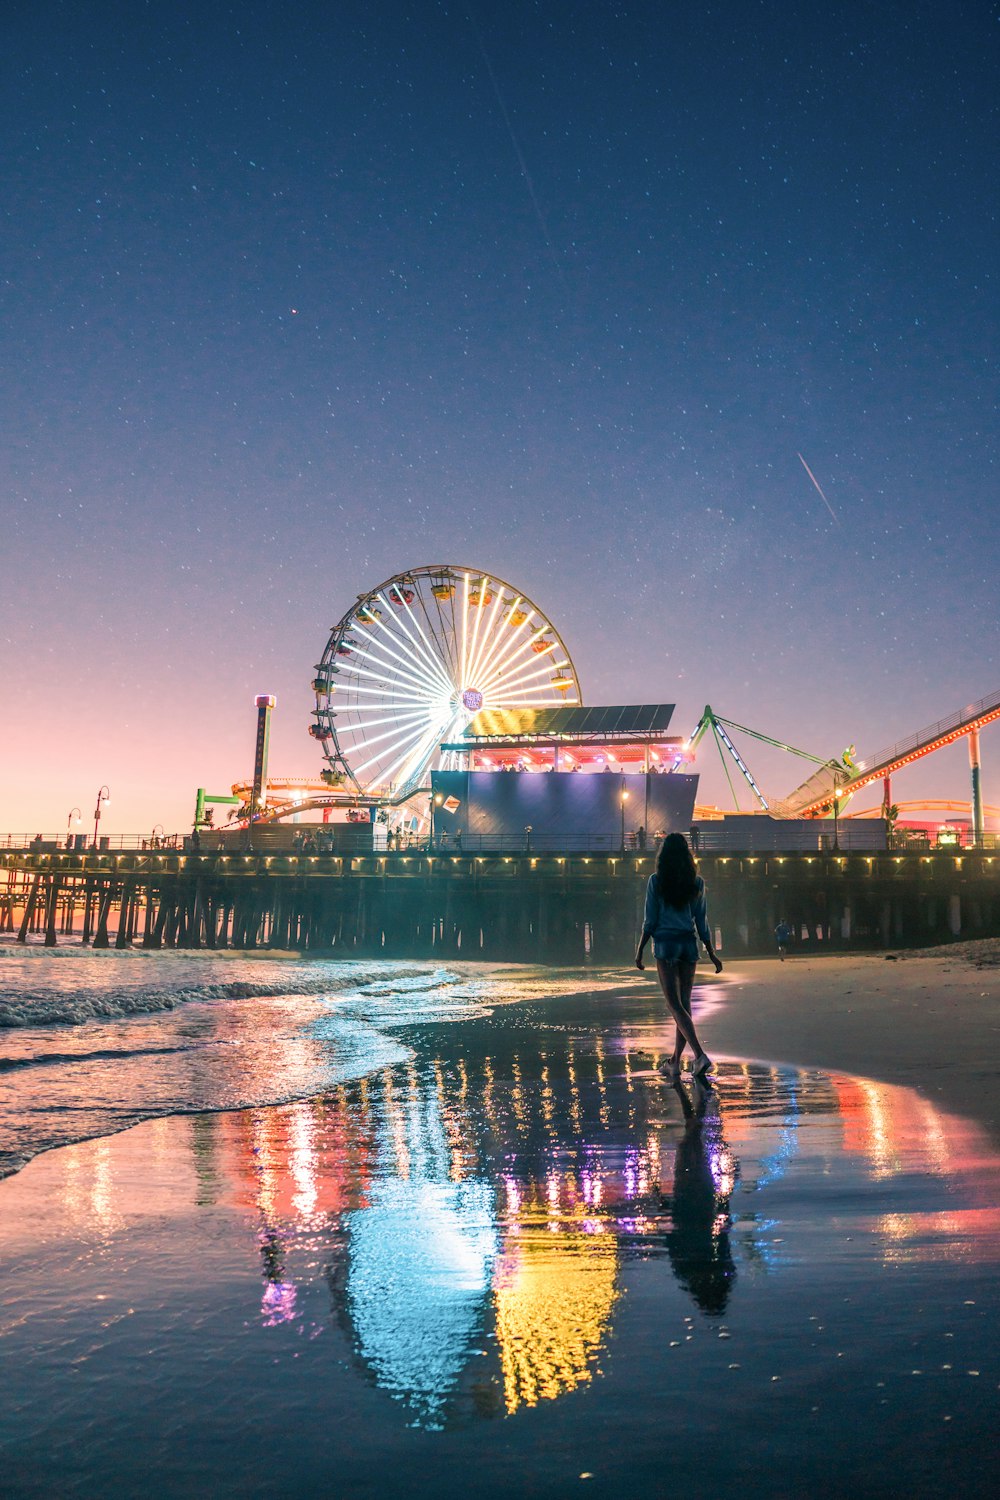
416, 659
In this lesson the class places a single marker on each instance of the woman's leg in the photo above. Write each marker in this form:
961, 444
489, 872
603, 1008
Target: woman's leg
671, 978
685, 984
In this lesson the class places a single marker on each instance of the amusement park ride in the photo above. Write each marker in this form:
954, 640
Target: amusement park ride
431, 669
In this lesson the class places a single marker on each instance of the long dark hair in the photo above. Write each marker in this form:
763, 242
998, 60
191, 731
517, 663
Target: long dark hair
676, 871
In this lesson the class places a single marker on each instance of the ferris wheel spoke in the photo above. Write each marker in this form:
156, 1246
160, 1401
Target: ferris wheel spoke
392, 678
430, 670
406, 659
443, 644
528, 696
487, 642
398, 715
454, 627
415, 760
373, 656
400, 722
408, 740
516, 655
392, 712
433, 661
409, 735
392, 693
463, 654
429, 646
477, 605
365, 737
509, 682
504, 638
438, 646
511, 651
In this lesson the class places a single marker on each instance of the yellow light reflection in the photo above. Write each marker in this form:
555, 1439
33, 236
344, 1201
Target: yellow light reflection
553, 1294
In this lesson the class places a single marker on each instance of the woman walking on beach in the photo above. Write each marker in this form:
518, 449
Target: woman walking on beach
676, 916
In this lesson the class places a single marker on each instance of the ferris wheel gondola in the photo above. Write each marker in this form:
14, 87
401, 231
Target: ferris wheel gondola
416, 659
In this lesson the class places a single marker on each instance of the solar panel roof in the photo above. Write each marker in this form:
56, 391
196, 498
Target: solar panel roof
636, 718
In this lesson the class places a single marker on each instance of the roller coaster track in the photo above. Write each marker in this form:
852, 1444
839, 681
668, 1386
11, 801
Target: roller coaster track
925, 805
816, 794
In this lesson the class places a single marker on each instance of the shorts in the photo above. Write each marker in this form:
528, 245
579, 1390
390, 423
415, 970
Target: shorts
678, 950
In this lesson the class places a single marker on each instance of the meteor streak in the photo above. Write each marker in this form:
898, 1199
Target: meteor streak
819, 489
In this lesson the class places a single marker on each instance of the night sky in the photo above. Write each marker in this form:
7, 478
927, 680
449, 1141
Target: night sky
296, 297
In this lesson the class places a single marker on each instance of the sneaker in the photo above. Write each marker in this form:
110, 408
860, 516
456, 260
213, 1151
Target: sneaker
702, 1063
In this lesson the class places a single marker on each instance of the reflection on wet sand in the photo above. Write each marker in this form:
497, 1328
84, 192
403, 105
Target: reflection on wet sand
465, 1222
705, 1173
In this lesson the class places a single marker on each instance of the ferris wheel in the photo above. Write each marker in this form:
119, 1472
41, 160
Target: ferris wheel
416, 659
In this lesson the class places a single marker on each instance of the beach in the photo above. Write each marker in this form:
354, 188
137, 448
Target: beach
929, 1020
431, 1228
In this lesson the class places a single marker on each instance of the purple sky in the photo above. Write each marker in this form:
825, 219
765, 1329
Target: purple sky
298, 297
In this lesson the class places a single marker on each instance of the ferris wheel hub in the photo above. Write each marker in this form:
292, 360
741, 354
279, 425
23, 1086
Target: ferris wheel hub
472, 699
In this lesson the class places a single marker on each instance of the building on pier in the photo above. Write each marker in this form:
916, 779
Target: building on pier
562, 779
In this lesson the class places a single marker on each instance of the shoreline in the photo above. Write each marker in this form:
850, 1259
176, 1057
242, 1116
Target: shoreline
930, 1020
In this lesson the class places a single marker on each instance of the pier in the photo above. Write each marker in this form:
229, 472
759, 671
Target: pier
503, 907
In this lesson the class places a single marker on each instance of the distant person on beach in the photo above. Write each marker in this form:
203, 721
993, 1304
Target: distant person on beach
783, 936
676, 916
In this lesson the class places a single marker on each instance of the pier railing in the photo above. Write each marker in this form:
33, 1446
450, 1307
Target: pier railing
766, 837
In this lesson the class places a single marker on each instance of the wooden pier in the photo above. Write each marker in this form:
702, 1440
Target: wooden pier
542, 909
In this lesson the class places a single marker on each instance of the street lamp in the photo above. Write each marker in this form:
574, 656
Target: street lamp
624, 799
152, 837
837, 792
103, 795
74, 812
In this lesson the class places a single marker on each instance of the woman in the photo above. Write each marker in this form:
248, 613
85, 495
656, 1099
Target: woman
676, 916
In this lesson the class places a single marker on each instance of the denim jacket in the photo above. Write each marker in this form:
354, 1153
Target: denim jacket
673, 928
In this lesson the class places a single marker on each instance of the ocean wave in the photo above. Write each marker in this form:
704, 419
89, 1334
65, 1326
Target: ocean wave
103, 1054
43, 1008
86, 1053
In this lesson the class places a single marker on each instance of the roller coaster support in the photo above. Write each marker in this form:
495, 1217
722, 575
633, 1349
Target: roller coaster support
737, 757
978, 822
711, 721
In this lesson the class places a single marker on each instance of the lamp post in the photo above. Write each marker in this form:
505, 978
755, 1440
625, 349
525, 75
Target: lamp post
74, 812
152, 837
624, 799
103, 795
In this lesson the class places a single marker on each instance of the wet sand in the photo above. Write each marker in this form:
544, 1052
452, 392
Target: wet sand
520, 1263
929, 1020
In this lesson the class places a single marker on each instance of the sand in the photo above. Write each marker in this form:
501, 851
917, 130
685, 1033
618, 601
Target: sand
928, 1020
